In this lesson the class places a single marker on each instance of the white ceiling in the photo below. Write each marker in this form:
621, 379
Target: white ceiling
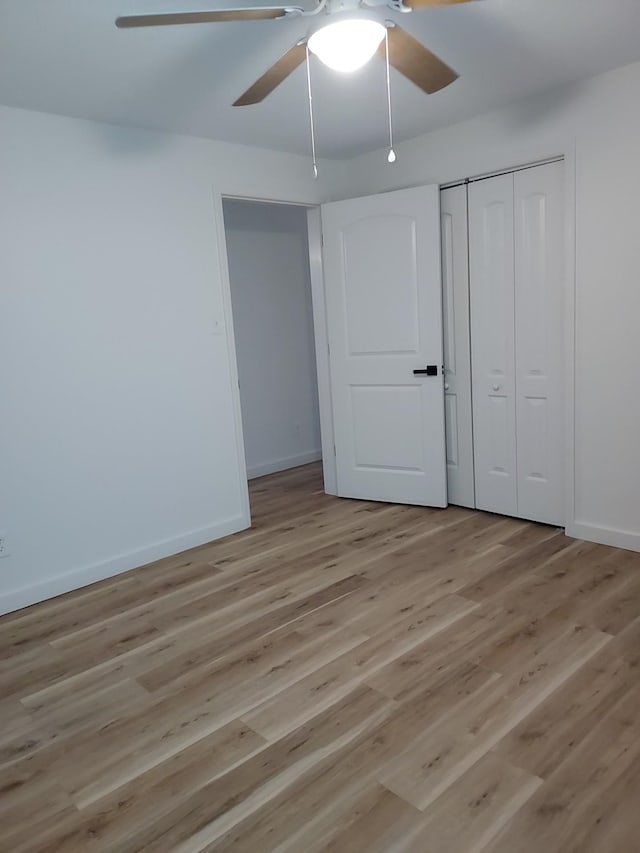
67, 57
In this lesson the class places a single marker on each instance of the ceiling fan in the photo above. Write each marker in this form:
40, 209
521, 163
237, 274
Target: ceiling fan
345, 36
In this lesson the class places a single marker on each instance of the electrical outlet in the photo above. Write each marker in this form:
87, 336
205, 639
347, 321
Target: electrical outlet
4, 548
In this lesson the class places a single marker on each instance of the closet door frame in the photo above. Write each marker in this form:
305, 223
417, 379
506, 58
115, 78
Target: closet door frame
570, 337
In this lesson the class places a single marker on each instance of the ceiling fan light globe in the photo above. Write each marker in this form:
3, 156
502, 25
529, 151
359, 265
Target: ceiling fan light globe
347, 45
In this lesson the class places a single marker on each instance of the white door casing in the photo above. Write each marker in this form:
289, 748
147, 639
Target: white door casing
539, 303
491, 266
384, 317
457, 354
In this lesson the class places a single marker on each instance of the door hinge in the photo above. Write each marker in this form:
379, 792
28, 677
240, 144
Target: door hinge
334, 450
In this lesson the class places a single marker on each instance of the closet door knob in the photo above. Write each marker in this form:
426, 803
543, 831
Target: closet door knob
496, 387
446, 386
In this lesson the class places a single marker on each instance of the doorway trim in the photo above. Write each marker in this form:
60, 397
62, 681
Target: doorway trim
321, 335
570, 340
223, 267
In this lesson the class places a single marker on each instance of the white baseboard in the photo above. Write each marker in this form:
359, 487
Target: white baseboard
282, 464
49, 588
604, 535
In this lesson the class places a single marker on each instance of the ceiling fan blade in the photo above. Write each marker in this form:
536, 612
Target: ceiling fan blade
425, 4
411, 58
273, 77
220, 16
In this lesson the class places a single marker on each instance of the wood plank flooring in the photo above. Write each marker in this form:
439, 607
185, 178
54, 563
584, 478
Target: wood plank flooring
344, 676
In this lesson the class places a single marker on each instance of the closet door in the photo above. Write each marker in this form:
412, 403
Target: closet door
491, 265
457, 355
539, 269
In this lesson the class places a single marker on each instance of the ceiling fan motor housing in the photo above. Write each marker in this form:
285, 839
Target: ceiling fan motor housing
345, 10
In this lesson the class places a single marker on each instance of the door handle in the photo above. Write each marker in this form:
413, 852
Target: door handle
429, 370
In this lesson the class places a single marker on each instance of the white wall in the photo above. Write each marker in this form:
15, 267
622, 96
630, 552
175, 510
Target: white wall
600, 120
268, 254
118, 432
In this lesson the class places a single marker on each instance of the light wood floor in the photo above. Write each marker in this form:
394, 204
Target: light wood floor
344, 676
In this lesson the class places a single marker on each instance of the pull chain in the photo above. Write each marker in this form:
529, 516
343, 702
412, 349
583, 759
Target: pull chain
313, 136
391, 156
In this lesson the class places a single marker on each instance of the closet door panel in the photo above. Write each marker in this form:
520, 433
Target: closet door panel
457, 355
539, 265
491, 266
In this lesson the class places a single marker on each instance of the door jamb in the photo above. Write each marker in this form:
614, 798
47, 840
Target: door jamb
321, 335
223, 267
570, 339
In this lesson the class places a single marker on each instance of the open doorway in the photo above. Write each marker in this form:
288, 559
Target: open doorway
270, 283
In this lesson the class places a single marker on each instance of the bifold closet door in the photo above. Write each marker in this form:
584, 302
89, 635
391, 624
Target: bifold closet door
491, 271
516, 263
457, 356
539, 302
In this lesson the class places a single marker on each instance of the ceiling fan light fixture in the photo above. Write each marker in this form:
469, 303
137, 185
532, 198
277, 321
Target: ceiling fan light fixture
347, 45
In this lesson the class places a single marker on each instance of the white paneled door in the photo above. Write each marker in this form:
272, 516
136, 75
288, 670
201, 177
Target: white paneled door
516, 265
539, 298
491, 265
384, 317
457, 357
